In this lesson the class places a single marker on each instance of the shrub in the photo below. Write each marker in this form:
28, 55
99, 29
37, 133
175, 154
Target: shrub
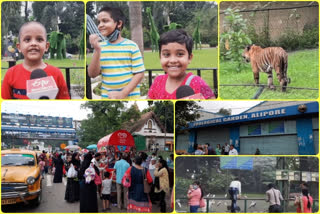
234, 39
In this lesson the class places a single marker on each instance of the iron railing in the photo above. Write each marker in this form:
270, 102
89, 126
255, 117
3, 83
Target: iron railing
245, 204
66, 71
150, 71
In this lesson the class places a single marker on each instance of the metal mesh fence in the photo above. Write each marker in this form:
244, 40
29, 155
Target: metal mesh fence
272, 20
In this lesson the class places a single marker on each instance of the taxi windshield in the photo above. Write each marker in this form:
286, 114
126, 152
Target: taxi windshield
17, 160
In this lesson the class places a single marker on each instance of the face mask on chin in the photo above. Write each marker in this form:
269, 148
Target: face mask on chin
113, 36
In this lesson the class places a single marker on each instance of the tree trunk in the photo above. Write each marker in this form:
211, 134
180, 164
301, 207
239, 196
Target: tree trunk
136, 29
26, 13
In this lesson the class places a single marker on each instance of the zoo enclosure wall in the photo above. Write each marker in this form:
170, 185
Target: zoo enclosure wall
275, 19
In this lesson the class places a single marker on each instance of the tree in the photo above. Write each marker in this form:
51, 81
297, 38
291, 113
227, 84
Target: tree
105, 119
185, 112
225, 111
48, 13
135, 18
132, 115
64, 17
26, 12
164, 111
234, 39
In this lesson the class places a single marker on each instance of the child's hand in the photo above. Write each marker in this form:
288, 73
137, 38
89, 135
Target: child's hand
116, 95
94, 41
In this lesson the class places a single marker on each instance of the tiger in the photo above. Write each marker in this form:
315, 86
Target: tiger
265, 60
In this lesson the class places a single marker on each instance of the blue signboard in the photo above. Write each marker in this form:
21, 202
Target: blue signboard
311, 108
243, 163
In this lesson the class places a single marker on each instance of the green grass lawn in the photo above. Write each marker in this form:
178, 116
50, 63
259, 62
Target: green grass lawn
303, 70
76, 75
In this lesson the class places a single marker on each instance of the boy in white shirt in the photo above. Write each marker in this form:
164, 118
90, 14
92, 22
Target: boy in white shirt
234, 191
106, 191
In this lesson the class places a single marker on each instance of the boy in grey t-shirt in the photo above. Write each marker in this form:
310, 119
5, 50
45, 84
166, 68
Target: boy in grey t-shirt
106, 191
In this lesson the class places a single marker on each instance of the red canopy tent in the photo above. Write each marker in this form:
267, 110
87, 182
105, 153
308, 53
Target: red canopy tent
122, 140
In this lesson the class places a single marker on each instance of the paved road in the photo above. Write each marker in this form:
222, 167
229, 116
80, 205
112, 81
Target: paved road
53, 201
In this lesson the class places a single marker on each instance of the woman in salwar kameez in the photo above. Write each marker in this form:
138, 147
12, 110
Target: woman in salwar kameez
138, 201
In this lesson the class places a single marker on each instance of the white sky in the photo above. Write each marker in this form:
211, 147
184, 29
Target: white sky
54, 108
236, 106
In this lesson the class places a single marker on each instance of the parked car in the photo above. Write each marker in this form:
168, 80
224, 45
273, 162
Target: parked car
69, 56
21, 179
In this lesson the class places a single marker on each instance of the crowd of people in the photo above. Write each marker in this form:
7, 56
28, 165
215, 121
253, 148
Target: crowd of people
207, 149
93, 176
303, 202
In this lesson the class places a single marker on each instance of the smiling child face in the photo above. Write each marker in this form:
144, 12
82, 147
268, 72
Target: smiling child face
106, 23
33, 42
174, 59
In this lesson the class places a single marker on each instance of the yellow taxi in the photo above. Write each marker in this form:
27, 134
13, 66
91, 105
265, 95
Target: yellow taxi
20, 177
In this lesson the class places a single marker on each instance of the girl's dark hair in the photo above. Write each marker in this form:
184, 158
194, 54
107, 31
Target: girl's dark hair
138, 160
144, 156
305, 192
199, 185
106, 174
163, 163
115, 13
179, 36
74, 161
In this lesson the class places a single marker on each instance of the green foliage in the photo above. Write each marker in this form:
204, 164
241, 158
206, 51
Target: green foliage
70, 16
105, 119
144, 88
216, 180
292, 40
225, 111
184, 13
126, 33
108, 117
81, 43
97, 89
10, 17
164, 111
131, 115
172, 26
15, 41
186, 111
302, 69
235, 37
262, 38
72, 44
57, 45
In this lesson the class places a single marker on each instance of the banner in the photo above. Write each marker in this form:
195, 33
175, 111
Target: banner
36, 121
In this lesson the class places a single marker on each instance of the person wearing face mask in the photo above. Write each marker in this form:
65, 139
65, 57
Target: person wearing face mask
117, 59
195, 193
